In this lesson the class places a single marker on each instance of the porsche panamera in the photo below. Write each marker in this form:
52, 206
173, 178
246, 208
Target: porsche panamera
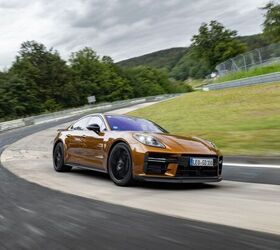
130, 148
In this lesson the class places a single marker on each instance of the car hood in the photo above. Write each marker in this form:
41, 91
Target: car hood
186, 144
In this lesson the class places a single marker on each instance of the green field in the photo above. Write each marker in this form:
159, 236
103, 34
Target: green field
241, 121
252, 72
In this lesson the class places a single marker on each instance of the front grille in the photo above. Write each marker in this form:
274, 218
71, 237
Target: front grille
185, 170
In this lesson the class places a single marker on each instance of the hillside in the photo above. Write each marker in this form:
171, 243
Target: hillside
163, 59
177, 60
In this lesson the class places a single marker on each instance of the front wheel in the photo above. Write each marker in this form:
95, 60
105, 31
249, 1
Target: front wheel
58, 159
120, 165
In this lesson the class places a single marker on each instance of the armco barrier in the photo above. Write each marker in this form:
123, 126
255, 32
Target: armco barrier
273, 77
39, 119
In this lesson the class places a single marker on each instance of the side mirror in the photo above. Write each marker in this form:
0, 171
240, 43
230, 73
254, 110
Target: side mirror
94, 127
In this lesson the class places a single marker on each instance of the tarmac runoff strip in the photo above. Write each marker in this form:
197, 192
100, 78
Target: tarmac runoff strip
242, 205
250, 165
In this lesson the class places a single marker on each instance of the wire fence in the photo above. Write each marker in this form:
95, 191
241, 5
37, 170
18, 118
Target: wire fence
255, 58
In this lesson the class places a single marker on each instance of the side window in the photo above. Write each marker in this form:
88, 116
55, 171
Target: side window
97, 120
81, 124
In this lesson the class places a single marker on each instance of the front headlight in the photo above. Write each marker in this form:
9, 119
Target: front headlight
148, 140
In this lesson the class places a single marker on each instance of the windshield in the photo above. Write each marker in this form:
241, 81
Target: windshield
127, 123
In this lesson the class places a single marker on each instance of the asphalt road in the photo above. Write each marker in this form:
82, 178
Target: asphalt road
33, 217
252, 175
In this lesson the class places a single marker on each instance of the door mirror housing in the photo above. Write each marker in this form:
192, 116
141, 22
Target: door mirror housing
94, 127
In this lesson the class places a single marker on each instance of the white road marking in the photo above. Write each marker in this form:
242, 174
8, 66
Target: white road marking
250, 165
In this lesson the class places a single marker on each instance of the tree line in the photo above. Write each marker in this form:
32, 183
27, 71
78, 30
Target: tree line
39, 80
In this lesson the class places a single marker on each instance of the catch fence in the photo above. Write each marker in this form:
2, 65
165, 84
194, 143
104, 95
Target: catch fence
255, 58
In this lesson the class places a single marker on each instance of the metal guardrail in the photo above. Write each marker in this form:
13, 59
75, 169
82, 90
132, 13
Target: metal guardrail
273, 77
39, 119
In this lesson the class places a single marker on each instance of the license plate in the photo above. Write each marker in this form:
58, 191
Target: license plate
201, 162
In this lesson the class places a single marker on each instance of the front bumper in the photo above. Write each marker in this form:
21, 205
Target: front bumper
162, 167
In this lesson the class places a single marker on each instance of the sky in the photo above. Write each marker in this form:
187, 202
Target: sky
118, 28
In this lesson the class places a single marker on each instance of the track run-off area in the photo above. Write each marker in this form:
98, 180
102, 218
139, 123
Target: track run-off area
41, 208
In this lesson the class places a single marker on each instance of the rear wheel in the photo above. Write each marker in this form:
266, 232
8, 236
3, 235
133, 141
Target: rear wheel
120, 165
58, 159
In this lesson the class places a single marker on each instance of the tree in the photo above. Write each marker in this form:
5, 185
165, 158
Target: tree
43, 68
214, 44
97, 77
85, 68
18, 97
271, 25
147, 81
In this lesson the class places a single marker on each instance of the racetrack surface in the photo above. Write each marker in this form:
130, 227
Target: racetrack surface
245, 205
34, 217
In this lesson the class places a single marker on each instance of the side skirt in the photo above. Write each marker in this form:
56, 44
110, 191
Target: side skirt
87, 168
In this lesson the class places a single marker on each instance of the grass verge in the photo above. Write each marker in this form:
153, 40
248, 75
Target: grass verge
241, 121
252, 72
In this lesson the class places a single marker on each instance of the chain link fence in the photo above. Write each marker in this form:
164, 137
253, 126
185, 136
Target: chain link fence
255, 58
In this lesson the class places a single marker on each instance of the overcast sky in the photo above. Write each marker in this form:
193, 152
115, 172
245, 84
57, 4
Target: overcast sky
118, 28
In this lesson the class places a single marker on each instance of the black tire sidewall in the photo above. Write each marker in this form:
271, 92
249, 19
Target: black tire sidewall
129, 177
61, 167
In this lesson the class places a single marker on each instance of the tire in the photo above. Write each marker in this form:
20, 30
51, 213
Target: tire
120, 165
58, 159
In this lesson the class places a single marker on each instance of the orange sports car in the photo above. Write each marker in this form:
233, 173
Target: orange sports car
130, 148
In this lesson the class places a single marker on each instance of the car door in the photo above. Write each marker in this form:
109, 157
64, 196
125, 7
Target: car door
75, 142
94, 144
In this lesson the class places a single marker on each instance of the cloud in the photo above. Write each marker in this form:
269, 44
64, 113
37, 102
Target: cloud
12, 4
118, 28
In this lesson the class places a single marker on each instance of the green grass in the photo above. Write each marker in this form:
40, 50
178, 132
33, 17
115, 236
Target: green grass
252, 72
241, 121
